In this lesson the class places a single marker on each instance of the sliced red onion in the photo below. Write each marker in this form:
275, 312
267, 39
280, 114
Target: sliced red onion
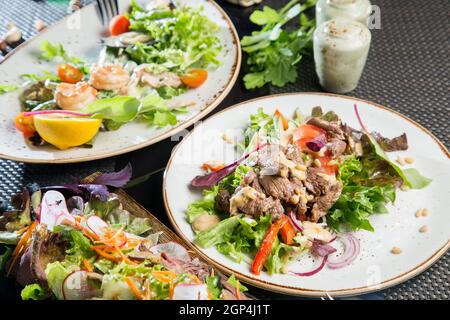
321, 249
207, 181
71, 113
78, 285
359, 118
297, 224
317, 143
173, 250
351, 251
314, 271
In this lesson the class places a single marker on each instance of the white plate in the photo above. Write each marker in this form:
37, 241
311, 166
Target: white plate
376, 268
80, 34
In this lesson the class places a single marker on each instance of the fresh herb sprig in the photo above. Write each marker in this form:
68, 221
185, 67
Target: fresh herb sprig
273, 53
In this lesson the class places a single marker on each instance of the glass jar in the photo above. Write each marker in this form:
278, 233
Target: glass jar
341, 47
358, 10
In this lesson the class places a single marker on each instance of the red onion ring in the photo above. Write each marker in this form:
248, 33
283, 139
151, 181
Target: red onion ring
351, 252
314, 271
297, 224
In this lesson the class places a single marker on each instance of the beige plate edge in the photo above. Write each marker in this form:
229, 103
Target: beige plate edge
302, 291
236, 68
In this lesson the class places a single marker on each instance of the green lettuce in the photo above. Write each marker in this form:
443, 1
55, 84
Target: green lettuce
212, 282
182, 38
5, 88
234, 283
204, 205
79, 249
34, 292
363, 194
55, 273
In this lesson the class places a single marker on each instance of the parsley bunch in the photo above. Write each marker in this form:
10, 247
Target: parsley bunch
273, 53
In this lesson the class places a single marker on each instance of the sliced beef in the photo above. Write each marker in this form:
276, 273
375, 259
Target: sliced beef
251, 179
264, 206
332, 128
277, 187
293, 153
325, 202
223, 201
336, 147
315, 183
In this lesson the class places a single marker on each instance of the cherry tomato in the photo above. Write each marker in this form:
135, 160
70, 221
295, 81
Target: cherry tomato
69, 74
118, 25
305, 133
25, 125
195, 78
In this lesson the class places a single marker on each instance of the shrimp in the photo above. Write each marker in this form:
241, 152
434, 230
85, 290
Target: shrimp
74, 96
110, 77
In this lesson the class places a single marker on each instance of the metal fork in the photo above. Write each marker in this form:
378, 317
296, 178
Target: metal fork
107, 9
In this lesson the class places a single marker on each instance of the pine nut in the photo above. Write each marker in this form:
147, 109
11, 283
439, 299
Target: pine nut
423, 229
409, 160
317, 163
425, 212
400, 161
419, 213
396, 250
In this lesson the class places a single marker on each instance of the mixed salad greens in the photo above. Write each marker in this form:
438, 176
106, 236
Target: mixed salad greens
303, 183
78, 242
153, 55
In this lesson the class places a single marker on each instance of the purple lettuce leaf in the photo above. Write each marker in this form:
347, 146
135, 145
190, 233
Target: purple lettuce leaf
115, 179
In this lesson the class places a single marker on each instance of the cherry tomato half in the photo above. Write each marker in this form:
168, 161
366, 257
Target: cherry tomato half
326, 167
25, 125
118, 25
69, 74
195, 78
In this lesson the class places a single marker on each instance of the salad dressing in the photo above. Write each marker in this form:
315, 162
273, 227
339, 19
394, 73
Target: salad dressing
357, 10
341, 47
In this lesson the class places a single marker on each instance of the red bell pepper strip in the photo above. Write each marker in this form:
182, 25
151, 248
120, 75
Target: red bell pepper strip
288, 233
266, 245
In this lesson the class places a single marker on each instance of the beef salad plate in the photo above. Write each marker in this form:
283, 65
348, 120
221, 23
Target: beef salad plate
80, 91
90, 240
311, 194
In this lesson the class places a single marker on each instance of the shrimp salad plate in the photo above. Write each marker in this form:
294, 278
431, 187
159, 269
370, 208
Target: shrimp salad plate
82, 90
311, 194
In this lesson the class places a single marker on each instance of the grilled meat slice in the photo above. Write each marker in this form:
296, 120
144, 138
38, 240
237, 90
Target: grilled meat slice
254, 203
277, 187
293, 153
325, 202
333, 128
316, 183
223, 201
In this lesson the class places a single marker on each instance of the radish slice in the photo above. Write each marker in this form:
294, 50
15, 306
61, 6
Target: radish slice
54, 210
96, 225
81, 285
172, 249
190, 292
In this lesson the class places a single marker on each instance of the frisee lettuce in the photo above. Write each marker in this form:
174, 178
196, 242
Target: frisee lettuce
34, 292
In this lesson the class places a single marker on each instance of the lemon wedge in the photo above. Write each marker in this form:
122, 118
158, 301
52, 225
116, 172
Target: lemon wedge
64, 131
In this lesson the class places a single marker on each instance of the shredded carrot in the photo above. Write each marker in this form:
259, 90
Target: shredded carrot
195, 278
208, 167
21, 231
238, 292
134, 289
21, 245
147, 292
124, 257
106, 255
77, 218
87, 265
283, 119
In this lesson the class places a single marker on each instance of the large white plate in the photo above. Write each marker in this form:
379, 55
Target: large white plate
376, 267
80, 34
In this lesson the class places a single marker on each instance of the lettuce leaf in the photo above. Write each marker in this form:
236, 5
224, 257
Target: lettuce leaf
364, 193
55, 273
212, 282
34, 292
203, 206
234, 283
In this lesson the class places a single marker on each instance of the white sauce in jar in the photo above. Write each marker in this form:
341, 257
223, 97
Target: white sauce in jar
341, 47
358, 10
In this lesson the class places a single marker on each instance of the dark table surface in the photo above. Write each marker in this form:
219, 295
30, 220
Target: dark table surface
408, 70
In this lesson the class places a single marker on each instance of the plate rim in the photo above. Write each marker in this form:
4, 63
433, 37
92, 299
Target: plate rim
304, 291
217, 98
